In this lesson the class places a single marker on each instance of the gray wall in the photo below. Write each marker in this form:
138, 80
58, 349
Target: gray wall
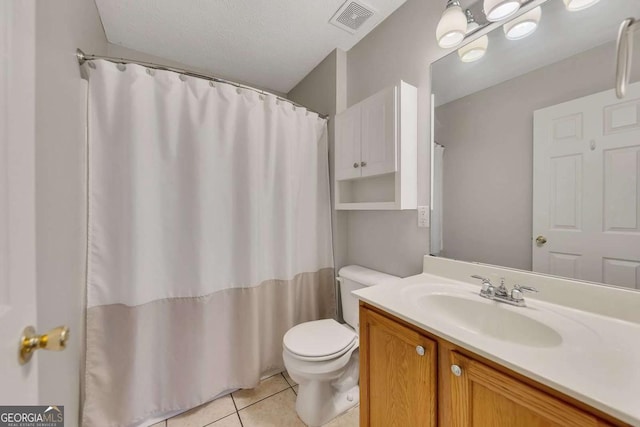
488, 159
400, 48
323, 90
61, 27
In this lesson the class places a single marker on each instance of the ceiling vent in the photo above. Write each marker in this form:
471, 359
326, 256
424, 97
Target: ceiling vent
351, 16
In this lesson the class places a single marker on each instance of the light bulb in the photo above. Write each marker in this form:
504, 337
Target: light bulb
497, 10
524, 25
475, 50
574, 5
452, 26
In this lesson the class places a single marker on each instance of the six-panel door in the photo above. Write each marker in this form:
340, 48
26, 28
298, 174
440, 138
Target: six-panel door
586, 189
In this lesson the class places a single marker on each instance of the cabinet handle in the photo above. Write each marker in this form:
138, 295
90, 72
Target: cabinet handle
420, 350
363, 164
355, 165
456, 370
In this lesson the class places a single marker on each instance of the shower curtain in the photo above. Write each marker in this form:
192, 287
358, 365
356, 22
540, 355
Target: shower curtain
436, 204
209, 237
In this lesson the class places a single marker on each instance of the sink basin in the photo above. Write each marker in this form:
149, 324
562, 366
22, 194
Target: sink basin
489, 318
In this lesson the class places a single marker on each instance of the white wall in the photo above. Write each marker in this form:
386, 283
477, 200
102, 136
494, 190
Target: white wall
400, 48
488, 161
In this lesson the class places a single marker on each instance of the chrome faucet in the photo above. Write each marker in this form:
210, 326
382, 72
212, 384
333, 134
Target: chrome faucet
502, 294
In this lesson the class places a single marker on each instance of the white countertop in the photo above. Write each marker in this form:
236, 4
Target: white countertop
596, 361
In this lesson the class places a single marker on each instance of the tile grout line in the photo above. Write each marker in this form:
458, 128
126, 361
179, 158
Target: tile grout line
265, 398
237, 411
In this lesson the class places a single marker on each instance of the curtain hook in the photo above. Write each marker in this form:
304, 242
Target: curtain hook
121, 67
212, 84
182, 78
150, 72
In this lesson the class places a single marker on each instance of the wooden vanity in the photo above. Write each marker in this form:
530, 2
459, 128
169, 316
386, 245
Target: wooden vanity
412, 378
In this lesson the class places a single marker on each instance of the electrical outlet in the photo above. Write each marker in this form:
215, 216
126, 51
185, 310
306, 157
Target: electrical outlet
423, 216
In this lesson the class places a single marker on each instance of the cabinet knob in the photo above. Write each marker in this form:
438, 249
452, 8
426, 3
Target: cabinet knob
355, 165
363, 164
456, 370
420, 350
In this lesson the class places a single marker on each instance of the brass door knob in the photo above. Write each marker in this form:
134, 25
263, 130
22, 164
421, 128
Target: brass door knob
541, 240
54, 340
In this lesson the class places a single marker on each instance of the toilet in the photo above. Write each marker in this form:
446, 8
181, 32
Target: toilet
322, 355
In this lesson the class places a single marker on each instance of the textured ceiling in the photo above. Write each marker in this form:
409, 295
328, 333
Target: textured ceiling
269, 43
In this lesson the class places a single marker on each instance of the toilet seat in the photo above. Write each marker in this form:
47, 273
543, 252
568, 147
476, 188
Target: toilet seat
319, 340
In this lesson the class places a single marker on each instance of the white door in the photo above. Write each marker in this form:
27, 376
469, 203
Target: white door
18, 384
379, 133
586, 189
347, 150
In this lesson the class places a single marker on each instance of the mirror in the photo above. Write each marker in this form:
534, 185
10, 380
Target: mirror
535, 162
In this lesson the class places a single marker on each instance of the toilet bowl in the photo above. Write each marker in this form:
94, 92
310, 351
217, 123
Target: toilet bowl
322, 355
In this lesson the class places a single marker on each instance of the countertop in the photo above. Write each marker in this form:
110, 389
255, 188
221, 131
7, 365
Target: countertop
596, 362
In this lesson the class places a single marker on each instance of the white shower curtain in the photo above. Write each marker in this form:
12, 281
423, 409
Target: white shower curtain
436, 204
209, 236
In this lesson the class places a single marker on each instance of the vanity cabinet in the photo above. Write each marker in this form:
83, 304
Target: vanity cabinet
376, 151
483, 396
398, 382
449, 386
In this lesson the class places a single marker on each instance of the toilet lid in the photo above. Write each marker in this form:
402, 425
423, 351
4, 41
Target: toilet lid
318, 338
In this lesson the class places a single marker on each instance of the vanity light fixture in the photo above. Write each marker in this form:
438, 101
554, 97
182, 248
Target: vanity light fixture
477, 48
452, 26
574, 5
497, 10
524, 25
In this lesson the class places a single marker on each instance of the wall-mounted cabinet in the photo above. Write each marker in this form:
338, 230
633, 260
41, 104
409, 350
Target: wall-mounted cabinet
376, 151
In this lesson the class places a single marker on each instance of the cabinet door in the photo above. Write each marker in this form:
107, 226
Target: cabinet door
483, 396
379, 133
397, 374
347, 145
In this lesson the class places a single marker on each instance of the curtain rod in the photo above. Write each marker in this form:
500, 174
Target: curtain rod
84, 57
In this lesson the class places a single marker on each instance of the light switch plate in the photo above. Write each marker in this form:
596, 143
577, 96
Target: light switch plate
423, 216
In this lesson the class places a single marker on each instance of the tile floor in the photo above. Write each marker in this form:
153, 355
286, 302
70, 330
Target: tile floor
271, 404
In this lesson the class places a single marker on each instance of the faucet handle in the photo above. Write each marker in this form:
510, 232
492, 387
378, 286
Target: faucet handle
484, 279
524, 288
487, 288
517, 291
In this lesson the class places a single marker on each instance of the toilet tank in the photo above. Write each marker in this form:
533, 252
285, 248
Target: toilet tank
353, 277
